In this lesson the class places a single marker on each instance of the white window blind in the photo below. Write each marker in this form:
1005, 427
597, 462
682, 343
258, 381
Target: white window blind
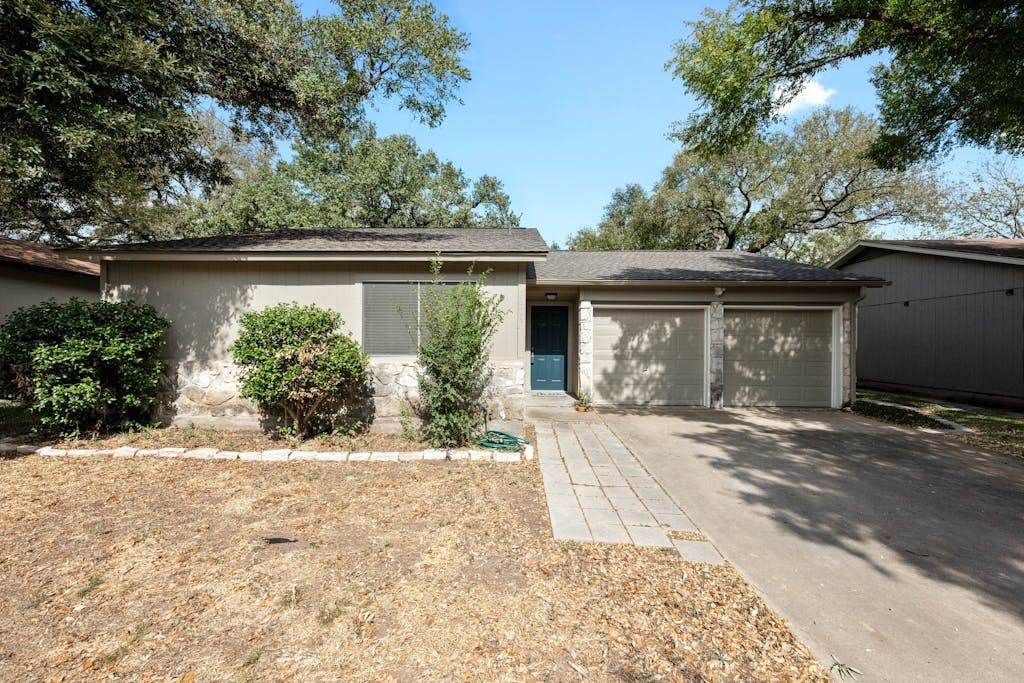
390, 317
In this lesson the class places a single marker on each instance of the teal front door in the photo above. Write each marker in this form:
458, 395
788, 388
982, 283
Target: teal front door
549, 341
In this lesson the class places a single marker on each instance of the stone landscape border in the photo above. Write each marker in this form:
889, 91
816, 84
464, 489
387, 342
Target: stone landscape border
275, 455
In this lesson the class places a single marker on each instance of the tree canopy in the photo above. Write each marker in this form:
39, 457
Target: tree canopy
803, 194
949, 70
987, 205
98, 99
358, 179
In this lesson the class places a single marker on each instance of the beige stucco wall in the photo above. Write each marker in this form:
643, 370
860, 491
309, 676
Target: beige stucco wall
204, 301
27, 287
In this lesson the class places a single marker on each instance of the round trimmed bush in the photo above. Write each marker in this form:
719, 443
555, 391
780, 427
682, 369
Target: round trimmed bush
296, 359
84, 366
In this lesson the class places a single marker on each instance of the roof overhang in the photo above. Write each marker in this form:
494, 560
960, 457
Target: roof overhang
305, 256
863, 245
709, 283
23, 265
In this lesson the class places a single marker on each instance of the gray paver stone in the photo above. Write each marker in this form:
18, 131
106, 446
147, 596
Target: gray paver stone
698, 551
609, 533
637, 517
675, 521
588, 491
598, 516
649, 536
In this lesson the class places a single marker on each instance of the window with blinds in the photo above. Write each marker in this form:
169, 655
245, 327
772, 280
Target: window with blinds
390, 318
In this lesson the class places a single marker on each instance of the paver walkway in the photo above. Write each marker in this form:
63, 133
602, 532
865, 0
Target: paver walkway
597, 491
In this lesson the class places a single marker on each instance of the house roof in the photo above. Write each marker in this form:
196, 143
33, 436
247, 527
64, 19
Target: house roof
695, 266
1001, 251
483, 241
33, 255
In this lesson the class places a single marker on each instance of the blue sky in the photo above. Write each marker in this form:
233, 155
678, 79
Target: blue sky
570, 100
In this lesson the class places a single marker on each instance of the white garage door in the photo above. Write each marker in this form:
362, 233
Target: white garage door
649, 357
778, 358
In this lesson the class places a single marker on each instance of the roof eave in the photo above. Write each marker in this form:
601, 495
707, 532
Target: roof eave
863, 245
28, 265
244, 256
712, 283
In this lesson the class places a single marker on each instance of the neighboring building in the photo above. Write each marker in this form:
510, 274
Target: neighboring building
31, 273
637, 328
952, 323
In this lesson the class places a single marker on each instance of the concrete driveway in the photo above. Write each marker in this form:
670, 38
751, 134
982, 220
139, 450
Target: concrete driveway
898, 552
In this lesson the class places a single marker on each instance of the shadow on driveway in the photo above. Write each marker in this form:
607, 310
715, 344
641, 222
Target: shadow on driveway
880, 512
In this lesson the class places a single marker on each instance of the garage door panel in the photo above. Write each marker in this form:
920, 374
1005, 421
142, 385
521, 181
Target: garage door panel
778, 358
649, 357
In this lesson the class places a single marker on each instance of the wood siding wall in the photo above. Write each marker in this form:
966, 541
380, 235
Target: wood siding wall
27, 287
204, 300
945, 324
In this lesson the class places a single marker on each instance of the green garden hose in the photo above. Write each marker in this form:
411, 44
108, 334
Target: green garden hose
501, 441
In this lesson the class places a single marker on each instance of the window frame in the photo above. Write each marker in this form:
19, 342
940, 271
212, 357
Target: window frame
391, 281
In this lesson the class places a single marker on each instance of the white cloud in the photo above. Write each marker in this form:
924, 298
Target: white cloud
811, 94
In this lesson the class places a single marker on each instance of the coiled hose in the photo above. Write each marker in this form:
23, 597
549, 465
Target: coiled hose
501, 441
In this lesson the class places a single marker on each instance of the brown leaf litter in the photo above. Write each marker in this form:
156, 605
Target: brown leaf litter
178, 570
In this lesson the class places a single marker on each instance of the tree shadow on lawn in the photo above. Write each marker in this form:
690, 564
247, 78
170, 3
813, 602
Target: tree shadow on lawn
953, 512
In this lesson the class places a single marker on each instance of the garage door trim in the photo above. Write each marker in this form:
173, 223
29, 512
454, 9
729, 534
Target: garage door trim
706, 389
837, 340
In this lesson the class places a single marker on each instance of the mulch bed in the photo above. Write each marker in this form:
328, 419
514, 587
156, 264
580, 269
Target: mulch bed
147, 569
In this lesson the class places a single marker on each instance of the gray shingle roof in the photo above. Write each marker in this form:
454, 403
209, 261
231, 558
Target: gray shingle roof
705, 266
365, 240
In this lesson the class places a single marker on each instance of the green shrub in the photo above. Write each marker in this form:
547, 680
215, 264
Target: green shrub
84, 366
457, 325
296, 359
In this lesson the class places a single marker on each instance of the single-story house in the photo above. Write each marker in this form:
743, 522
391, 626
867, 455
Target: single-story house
31, 273
952, 323
630, 328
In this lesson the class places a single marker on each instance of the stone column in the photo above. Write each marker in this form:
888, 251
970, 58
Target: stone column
585, 354
716, 361
848, 333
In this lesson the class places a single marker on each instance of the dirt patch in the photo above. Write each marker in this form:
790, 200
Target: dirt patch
193, 570
687, 535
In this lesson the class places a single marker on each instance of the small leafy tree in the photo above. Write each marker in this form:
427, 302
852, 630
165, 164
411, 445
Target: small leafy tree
296, 359
457, 325
84, 366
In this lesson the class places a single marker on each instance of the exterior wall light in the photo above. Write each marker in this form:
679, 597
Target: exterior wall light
551, 296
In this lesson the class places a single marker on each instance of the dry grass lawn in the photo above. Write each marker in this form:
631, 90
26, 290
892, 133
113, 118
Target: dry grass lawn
151, 569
